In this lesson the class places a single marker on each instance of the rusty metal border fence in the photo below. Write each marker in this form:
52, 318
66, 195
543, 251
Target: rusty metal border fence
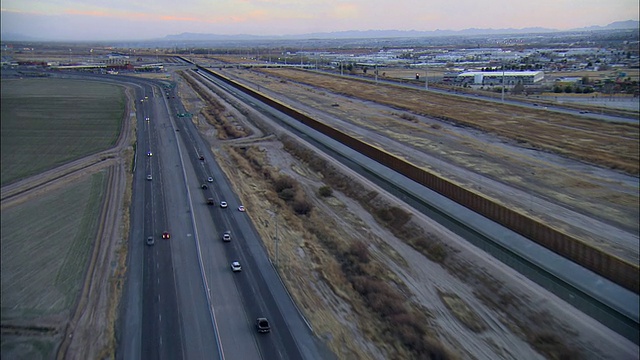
609, 266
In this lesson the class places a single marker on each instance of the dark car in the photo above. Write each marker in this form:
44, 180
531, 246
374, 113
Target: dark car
262, 324
166, 235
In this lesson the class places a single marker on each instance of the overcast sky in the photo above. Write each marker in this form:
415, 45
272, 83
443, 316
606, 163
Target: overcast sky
137, 19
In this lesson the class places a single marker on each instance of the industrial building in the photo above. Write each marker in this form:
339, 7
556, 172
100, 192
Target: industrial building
496, 77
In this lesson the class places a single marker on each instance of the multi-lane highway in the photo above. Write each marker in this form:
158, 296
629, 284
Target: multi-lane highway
182, 300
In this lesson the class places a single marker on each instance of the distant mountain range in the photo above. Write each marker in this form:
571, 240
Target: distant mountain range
357, 34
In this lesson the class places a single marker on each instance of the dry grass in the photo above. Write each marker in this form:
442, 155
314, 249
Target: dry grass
215, 112
347, 266
462, 312
349, 270
612, 145
339, 262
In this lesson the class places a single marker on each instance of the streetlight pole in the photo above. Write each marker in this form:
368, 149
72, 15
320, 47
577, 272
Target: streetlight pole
503, 84
274, 214
426, 78
375, 71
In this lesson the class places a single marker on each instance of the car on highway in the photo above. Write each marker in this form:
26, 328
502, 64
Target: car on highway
150, 240
262, 325
210, 201
147, 119
204, 186
223, 204
235, 266
166, 235
149, 153
241, 208
226, 236
201, 157
210, 179
149, 177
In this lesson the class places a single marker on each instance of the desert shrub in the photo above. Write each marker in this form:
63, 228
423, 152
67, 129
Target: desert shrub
432, 249
409, 117
325, 191
287, 194
284, 182
553, 347
393, 216
301, 205
384, 215
266, 173
437, 252
359, 252
386, 303
365, 285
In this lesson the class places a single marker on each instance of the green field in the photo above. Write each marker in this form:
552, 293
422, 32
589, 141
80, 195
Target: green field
46, 244
47, 122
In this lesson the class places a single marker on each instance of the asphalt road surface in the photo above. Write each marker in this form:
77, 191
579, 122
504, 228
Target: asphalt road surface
181, 300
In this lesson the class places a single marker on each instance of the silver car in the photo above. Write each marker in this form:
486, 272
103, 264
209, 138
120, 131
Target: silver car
235, 266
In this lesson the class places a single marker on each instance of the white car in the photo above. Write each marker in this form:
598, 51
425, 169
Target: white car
150, 240
149, 177
210, 179
241, 208
226, 236
235, 266
223, 204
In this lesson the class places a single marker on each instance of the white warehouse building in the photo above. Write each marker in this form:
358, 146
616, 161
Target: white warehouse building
495, 77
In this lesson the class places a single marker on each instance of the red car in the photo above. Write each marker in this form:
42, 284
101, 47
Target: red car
166, 235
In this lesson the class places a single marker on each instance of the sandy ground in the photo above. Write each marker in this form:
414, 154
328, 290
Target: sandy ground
531, 313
